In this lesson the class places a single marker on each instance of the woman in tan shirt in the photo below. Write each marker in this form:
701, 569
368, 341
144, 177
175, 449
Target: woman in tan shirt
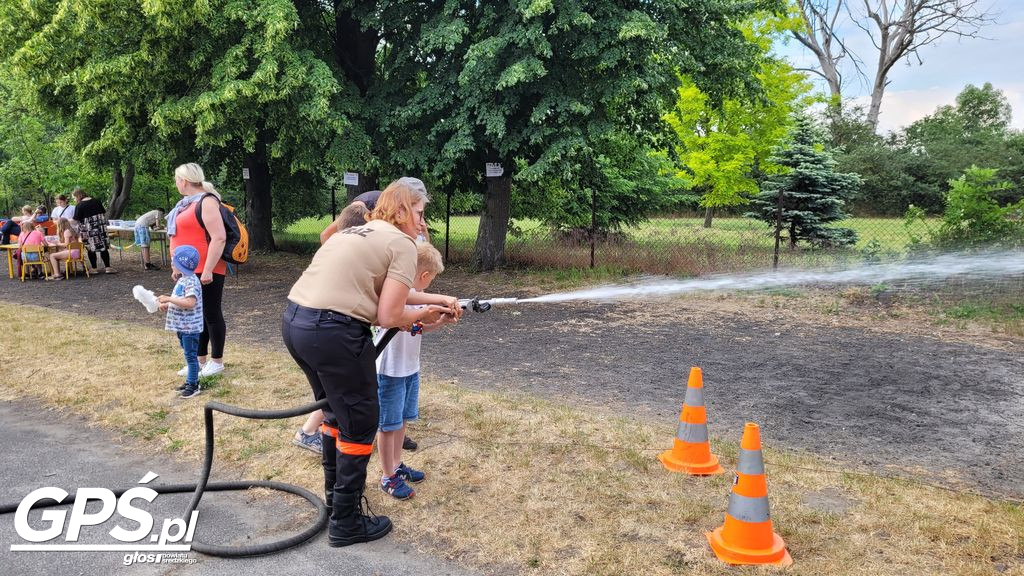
360, 277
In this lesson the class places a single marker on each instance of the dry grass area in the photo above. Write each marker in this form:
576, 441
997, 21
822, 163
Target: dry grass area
516, 484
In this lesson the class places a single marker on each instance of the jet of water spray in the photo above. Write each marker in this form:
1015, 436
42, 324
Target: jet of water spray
976, 266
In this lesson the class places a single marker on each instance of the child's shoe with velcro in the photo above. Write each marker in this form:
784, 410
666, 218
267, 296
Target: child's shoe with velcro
409, 475
190, 391
396, 487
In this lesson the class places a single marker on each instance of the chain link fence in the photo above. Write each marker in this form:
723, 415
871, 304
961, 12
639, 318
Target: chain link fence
676, 245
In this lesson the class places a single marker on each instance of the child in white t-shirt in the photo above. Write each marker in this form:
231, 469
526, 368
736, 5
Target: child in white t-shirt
398, 386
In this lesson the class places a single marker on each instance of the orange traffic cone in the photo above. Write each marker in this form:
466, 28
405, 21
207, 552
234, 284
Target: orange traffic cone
747, 537
691, 452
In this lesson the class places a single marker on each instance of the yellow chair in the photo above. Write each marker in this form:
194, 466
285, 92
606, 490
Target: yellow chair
39, 260
73, 262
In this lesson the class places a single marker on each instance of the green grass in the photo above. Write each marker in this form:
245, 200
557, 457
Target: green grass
660, 245
890, 233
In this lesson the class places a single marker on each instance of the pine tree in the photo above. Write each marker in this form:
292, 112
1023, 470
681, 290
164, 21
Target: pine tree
813, 193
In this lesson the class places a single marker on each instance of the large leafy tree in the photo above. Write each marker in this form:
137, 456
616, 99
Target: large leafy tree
809, 195
724, 147
157, 83
548, 88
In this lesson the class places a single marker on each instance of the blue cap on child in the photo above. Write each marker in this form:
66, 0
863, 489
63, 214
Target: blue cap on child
186, 259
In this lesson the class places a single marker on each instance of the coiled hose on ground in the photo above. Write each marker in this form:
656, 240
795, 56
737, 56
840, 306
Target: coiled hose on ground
204, 485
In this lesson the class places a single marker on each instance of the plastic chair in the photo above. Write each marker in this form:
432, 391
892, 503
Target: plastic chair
27, 262
73, 262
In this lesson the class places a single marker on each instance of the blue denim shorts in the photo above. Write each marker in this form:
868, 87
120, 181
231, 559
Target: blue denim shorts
142, 235
399, 400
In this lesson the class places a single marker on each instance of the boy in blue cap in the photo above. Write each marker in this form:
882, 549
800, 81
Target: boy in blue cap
184, 309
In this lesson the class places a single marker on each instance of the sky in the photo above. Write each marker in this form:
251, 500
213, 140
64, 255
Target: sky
916, 90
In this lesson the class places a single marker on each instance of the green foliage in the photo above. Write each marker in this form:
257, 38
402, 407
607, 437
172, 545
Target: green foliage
724, 147
159, 83
813, 193
568, 94
916, 225
973, 217
913, 166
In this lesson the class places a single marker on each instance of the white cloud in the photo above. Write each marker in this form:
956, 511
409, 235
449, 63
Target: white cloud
903, 107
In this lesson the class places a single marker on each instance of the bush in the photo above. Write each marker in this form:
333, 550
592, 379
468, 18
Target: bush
973, 216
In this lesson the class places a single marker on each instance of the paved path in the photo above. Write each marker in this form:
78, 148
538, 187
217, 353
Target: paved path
47, 448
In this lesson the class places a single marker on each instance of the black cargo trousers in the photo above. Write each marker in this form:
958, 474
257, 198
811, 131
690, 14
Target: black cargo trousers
336, 353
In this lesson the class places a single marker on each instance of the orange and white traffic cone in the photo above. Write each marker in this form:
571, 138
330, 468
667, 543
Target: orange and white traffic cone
691, 452
747, 537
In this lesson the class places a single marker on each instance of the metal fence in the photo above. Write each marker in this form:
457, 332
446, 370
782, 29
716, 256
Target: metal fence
678, 245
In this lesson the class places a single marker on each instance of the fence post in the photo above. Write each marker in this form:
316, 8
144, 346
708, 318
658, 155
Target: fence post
334, 203
778, 230
593, 224
447, 220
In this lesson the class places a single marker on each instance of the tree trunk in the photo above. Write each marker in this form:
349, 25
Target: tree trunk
490, 237
121, 191
367, 182
708, 214
355, 51
258, 200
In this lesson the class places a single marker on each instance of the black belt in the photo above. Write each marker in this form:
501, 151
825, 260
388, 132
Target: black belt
334, 315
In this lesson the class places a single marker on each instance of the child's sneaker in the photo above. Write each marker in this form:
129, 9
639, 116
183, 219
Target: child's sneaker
397, 487
182, 387
311, 442
414, 476
190, 391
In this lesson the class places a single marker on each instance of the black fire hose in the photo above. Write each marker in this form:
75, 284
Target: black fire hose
204, 484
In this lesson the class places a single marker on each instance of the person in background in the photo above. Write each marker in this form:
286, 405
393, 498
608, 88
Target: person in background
398, 386
368, 200
34, 234
362, 204
308, 436
183, 227
92, 219
9, 228
150, 219
12, 227
67, 232
184, 309
62, 209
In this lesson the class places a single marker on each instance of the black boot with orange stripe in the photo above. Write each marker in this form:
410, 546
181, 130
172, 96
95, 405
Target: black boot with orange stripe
350, 523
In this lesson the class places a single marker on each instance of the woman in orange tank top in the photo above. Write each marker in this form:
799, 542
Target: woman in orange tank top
184, 228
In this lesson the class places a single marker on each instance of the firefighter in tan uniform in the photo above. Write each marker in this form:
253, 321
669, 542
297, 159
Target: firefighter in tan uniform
360, 277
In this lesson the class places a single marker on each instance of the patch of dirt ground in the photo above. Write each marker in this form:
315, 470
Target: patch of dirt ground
868, 385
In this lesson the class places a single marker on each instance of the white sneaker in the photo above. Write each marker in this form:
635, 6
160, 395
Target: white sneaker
211, 368
184, 371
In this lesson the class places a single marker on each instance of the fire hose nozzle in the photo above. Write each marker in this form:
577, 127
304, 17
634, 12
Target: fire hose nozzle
475, 304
